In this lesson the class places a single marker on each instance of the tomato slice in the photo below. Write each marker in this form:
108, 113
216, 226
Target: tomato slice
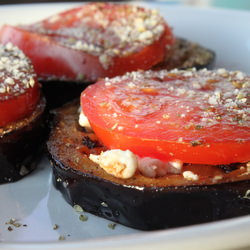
19, 89
92, 41
195, 116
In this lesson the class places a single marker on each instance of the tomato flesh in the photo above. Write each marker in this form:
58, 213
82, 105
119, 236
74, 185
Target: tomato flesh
19, 89
197, 117
90, 42
19, 107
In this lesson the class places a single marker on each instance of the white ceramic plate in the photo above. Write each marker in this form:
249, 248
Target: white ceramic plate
35, 202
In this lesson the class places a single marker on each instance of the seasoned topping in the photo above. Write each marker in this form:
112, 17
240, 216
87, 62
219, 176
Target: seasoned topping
203, 98
16, 73
195, 116
104, 29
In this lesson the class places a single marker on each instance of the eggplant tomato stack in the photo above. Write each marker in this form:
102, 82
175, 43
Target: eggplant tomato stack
21, 114
96, 40
157, 150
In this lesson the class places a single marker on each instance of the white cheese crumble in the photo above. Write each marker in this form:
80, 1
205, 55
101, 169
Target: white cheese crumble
84, 122
176, 166
247, 195
121, 164
153, 168
189, 175
217, 178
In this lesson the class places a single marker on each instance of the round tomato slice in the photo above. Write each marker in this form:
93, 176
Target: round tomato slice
93, 41
193, 116
19, 89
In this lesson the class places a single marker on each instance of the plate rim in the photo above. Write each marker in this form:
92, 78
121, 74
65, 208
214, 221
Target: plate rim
152, 235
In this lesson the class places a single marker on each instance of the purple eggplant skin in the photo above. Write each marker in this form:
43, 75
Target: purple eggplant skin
151, 208
20, 148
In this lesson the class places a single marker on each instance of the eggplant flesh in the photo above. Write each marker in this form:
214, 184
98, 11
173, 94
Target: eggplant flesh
139, 202
20, 145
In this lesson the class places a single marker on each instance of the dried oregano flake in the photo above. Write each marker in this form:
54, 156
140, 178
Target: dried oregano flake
112, 225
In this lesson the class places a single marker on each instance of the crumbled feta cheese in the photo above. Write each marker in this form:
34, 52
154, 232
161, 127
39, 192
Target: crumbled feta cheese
217, 178
121, 164
152, 167
247, 195
84, 122
189, 175
176, 166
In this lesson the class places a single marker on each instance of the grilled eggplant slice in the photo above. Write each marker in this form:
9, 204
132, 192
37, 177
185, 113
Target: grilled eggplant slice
187, 54
140, 202
20, 144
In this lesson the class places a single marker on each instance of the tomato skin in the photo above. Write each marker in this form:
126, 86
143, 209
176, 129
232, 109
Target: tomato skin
125, 114
19, 107
214, 154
